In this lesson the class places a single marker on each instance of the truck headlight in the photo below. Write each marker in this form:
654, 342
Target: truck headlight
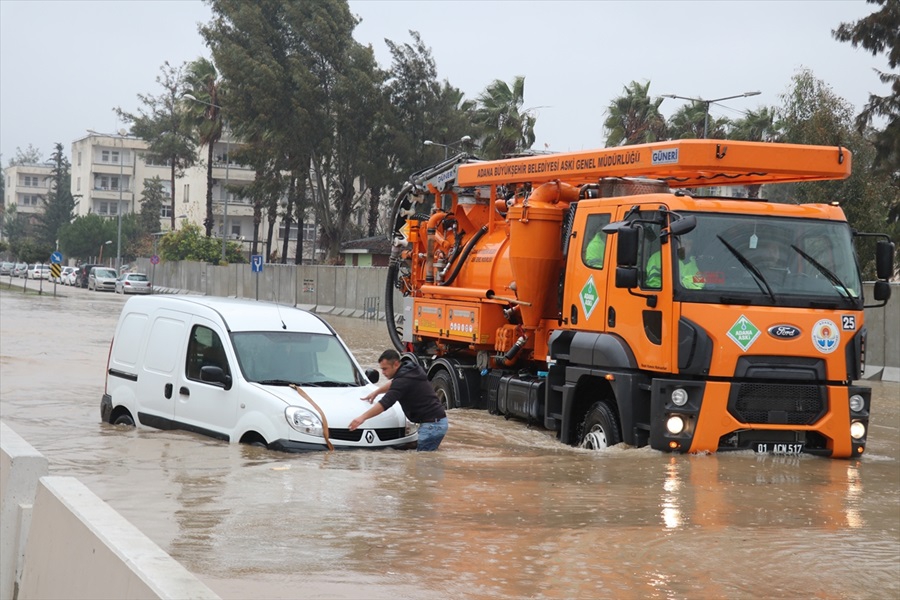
857, 430
679, 397
411, 427
675, 424
304, 421
857, 403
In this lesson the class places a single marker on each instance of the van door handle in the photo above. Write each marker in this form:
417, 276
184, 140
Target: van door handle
168, 391
184, 391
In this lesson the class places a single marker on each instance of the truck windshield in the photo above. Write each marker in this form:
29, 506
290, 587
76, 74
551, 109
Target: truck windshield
755, 259
290, 357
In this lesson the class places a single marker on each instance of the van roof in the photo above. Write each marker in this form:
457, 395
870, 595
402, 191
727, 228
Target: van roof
238, 314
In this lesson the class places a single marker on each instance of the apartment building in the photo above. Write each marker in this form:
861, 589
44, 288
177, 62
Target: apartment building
109, 172
26, 187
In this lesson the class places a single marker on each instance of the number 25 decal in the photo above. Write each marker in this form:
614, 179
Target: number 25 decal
848, 322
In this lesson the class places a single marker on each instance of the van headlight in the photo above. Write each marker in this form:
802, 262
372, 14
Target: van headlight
304, 421
411, 427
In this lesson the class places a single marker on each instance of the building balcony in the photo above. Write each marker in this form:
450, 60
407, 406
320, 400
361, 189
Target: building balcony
110, 194
111, 168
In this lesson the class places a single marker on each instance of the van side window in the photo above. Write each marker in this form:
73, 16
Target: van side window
205, 349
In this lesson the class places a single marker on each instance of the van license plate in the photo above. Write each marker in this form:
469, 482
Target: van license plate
779, 448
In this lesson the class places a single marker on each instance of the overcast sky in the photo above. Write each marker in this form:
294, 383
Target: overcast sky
64, 65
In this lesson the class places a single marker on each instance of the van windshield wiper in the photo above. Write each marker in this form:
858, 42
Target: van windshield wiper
281, 382
828, 273
760, 280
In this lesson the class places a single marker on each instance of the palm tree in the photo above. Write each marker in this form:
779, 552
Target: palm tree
205, 85
756, 126
507, 128
634, 117
687, 123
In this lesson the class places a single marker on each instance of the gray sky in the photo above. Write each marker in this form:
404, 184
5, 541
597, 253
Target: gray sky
65, 65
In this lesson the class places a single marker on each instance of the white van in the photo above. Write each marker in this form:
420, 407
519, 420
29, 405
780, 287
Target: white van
242, 371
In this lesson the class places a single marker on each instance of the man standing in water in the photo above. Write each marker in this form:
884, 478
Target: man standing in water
410, 387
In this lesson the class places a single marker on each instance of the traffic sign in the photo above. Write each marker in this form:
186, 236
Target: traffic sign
256, 263
154, 260
55, 270
56, 258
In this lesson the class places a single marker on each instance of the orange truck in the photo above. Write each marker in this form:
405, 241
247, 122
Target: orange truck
605, 296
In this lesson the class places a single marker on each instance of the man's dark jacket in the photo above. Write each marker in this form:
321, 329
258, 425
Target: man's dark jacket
411, 388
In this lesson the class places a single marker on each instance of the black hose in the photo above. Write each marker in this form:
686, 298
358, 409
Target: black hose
465, 254
393, 269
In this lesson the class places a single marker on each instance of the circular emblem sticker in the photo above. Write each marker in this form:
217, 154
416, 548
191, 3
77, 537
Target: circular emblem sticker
826, 336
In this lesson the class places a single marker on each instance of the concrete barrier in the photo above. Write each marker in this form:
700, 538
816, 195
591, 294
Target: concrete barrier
103, 555
21, 467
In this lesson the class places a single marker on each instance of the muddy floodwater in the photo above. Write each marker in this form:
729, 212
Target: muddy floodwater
501, 511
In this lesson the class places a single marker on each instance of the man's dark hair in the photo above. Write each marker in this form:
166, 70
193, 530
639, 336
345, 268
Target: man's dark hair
389, 355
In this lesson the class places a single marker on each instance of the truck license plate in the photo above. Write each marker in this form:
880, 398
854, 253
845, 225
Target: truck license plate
779, 448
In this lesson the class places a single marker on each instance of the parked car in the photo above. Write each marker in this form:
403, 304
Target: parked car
6, 268
39, 271
20, 270
81, 275
133, 283
244, 372
102, 278
64, 276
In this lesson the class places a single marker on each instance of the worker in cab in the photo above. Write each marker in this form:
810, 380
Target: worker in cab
689, 274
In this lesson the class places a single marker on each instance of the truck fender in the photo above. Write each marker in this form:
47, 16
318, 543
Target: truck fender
464, 379
605, 350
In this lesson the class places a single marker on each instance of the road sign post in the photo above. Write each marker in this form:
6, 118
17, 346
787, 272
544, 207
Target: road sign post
256, 266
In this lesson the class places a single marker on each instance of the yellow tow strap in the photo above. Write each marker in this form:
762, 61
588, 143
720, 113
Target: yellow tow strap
321, 415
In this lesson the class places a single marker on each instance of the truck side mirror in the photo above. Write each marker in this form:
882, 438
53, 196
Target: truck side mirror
884, 259
882, 291
626, 277
626, 247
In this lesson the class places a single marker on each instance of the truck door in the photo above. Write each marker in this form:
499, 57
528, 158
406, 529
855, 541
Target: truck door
642, 316
587, 267
201, 406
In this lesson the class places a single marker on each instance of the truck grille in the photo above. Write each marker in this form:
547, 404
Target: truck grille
782, 404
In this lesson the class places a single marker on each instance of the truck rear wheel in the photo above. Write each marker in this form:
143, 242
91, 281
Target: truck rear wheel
600, 428
443, 387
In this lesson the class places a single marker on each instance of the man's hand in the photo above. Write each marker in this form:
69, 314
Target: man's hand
355, 423
370, 397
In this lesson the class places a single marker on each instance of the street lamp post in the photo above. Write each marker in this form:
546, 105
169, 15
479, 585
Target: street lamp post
708, 102
227, 165
119, 205
100, 258
447, 147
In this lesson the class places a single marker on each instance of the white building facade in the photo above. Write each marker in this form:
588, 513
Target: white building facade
26, 187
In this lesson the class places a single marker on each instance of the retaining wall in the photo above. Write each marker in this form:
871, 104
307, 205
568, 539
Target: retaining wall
77, 545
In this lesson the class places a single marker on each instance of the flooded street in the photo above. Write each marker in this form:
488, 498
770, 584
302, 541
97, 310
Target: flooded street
501, 511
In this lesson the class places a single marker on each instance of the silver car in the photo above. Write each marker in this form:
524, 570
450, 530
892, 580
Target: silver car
133, 283
102, 278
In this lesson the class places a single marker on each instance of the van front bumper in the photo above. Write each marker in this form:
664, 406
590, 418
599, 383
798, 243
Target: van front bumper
295, 446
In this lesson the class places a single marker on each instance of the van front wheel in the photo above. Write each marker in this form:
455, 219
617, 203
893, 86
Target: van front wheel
124, 419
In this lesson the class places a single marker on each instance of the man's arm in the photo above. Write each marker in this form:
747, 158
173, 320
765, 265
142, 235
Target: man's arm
377, 409
384, 387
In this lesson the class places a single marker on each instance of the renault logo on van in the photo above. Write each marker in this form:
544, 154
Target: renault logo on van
784, 332
370, 436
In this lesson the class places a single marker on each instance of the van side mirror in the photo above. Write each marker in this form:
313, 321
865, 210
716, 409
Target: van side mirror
884, 259
372, 375
214, 374
626, 247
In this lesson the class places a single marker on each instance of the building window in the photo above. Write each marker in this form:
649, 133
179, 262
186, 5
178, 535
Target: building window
30, 200
309, 231
166, 211
79, 158
236, 230
78, 184
293, 231
30, 181
187, 192
106, 182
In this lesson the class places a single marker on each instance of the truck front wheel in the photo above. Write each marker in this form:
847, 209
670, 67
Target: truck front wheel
600, 428
443, 387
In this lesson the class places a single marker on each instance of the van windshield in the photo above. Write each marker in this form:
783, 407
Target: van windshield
285, 357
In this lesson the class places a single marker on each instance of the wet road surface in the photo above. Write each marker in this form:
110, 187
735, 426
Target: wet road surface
501, 511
